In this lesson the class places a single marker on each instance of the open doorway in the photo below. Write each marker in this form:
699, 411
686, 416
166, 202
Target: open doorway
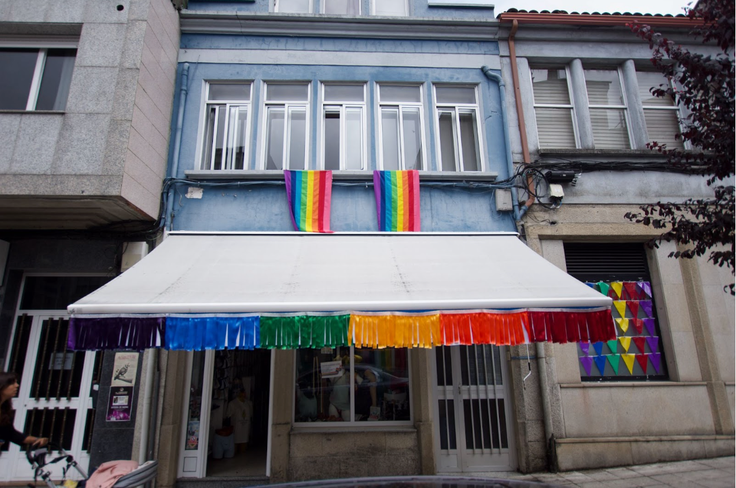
238, 428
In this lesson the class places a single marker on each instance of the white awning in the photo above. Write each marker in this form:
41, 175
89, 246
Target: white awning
200, 273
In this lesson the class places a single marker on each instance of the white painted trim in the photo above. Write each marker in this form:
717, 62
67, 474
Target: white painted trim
341, 58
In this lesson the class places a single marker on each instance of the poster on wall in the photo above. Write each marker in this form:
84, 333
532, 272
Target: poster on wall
121, 401
125, 369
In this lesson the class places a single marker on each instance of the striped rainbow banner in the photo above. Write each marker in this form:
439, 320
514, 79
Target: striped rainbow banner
309, 194
397, 200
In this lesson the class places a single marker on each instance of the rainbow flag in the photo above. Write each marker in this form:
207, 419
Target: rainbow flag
309, 194
397, 200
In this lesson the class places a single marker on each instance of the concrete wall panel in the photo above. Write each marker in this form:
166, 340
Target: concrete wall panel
35, 143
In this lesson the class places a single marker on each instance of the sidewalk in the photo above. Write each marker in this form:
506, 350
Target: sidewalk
710, 473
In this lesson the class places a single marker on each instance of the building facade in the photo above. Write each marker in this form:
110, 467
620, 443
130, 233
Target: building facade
85, 111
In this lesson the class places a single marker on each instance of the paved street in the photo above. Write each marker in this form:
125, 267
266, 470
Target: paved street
710, 473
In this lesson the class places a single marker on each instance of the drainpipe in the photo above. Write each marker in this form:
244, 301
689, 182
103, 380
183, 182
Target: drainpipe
509, 158
176, 149
520, 115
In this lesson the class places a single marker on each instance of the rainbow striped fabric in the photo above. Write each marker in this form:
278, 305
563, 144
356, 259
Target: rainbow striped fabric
397, 200
309, 194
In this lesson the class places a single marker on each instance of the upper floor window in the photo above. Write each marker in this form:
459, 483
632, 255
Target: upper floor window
661, 114
35, 79
335, 7
401, 131
343, 127
390, 7
607, 109
227, 126
458, 128
286, 107
553, 107
293, 6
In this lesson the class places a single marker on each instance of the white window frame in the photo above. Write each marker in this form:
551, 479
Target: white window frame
227, 105
342, 107
324, 2
624, 106
288, 106
43, 48
352, 424
275, 5
456, 109
401, 107
570, 106
404, 2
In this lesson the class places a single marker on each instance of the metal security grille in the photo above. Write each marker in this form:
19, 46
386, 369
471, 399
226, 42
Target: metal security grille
606, 261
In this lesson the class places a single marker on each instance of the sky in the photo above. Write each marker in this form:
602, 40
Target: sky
634, 6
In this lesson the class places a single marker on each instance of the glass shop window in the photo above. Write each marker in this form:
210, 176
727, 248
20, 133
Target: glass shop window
348, 384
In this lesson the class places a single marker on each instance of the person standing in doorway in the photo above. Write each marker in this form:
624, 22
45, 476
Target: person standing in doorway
8, 390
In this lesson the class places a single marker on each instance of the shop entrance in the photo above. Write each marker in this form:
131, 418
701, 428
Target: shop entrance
226, 415
472, 411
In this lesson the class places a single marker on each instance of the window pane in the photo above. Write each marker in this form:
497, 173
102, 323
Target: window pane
447, 141
219, 138
347, 7
412, 139
57, 76
604, 87
284, 92
390, 138
16, 77
609, 129
209, 137
297, 138
236, 146
322, 385
398, 93
555, 128
275, 138
332, 140
229, 91
653, 80
390, 7
455, 94
662, 125
344, 93
550, 86
354, 138
293, 6
382, 376
469, 141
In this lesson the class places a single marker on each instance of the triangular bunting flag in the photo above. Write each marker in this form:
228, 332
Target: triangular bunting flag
620, 307
623, 323
598, 346
309, 194
629, 362
642, 360
640, 342
600, 361
603, 287
397, 200
587, 363
638, 325
625, 343
646, 305
592, 285
654, 358
650, 326
646, 288
653, 343
613, 346
614, 360
585, 347
632, 293
634, 307
617, 287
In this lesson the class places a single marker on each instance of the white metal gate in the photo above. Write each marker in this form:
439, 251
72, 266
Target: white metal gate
472, 411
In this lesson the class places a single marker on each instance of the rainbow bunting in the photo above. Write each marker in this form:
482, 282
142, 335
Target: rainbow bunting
397, 200
309, 194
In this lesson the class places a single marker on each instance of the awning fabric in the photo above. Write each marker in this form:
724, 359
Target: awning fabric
288, 290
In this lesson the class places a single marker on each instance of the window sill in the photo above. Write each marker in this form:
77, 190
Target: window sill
628, 153
336, 175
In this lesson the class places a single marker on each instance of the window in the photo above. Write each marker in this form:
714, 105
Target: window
390, 8
457, 120
286, 107
343, 127
620, 271
227, 126
400, 132
333, 7
293, 6
553, 108
35, 79
661, 114
352, 385
607, 109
